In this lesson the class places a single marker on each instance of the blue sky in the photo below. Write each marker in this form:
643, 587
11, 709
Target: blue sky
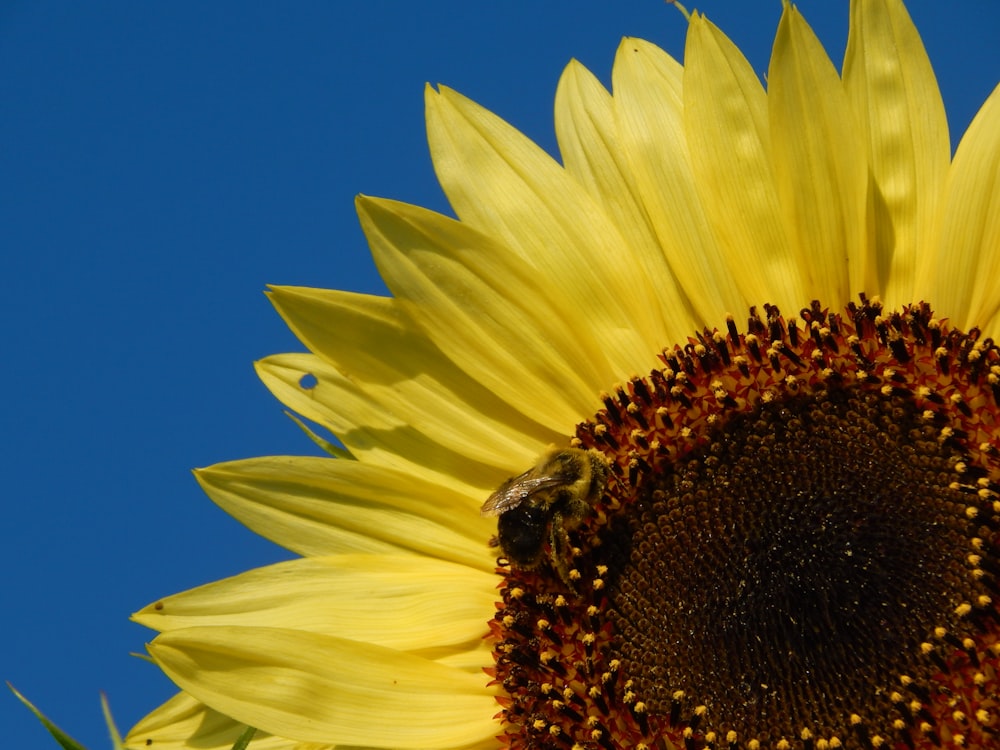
160, 164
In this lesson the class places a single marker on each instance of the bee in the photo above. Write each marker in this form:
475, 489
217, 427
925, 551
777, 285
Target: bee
544, 504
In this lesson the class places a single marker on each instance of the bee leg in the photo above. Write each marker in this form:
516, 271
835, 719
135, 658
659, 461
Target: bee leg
561, 551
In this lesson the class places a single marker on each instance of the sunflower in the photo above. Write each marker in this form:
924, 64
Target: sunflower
748, 332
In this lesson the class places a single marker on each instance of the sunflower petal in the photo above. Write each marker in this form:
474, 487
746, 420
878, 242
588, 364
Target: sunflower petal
317, 506
183, 723
319, 688
966, 267
588, 138
649, 111
402, 602
525, 200
485, 311
896, 101
384, 354
725, 118
409, 436
819, 164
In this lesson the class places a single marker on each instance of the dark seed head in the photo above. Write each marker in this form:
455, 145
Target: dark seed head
798, 548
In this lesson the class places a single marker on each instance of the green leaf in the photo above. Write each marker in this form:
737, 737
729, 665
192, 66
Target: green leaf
65, 741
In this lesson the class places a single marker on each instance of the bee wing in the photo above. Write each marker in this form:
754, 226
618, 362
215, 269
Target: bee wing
515, 491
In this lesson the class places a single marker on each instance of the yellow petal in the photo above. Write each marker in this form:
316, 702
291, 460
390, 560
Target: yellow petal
649, 111
402, 602
374, 433
469, 659
384, 355
725, 118
486, 312
183, 723
318, 506
819, 165
319, 688
503, 185
897, 104
592, 153
965, 270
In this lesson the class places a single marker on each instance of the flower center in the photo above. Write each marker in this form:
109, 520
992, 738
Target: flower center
797, 545
812, 547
